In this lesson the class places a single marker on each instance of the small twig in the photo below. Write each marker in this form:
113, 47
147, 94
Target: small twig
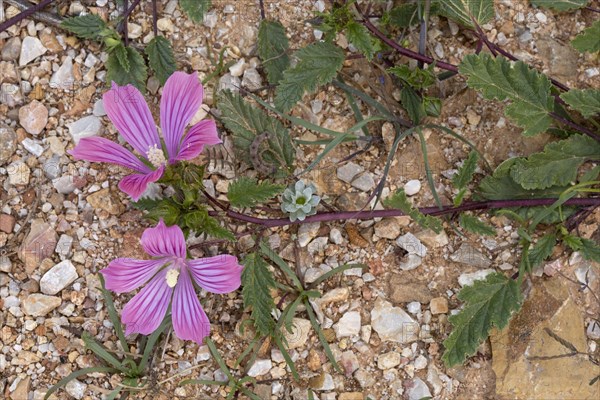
596, 10
154, 18
25, 14
262, 9
124, 22
42, 16
127, 13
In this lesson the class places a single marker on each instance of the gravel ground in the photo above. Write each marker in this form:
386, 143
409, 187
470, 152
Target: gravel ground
62, 221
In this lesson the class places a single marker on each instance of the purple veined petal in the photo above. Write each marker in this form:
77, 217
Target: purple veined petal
98, 149
144, 313
128, 110
181, 99
204, 132
164, 241
218, 274
135, 185
127, 274
189, 319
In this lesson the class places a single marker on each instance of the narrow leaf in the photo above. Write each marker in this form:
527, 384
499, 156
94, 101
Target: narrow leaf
257, 282
528, 90
87, 26
399, 201
542, 250
466, 171
318, 63
247, 192
120, 51
195, 9
488, 303
136, 75
161, 58
360, 37
586, 101
75, 375
475, 225
404, 16
272, 48
560, 5
589, 39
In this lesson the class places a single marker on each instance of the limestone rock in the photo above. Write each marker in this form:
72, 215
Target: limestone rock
39, 305
37, 245
58, 277
469, 255
85, 127
8, 143
104, 200
31, 49
299, 335
33, 117
393, 323
348, 325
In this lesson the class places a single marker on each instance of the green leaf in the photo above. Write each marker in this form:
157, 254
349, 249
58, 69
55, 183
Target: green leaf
318, 63
419, 78
161, 58
200, 222
120, 51
475, 225
542, 250
560, 5
466, 171
557, 164
247, 192
413, 104
589, 39
488, 303
195, 9
166, 209
87, 26
528, 90
77, 374
399, 201
360, 37
247, 122
272, 48
586, 101
404, 16
136, 74
257, 282
590, 250
463, 11
574, 242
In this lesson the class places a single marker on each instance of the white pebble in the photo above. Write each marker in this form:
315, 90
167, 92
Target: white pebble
412, 187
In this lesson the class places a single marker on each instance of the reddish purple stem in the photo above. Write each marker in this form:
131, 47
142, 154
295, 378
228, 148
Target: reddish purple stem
24, 14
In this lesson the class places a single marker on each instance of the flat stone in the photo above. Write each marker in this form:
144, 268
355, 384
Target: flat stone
439, 305
33, 117
237, 69
334, 296
65, 184
105, 200
9, 72
560, 58
403, 290
349, 362
467, 279
411, 262
393, 323
365, 182
260, 367
38, 244
307, 232
64, 245
76, 389
31, 49
11, 49
7, 223
8, 143
348, 171
63, 77
432, 239
412, 245
416, 389
364, 378
21, 392
323, 382
58, 277
387, 228
85, 127
99, 109
469, 255
33, 147
252, 79
388, 360
348, 325
229, 82
299, 335
519, 375
18, 173
39, 305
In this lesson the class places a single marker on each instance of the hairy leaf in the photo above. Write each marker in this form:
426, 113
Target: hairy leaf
557, 164
200, 222
120, 51
246, 122
475, 225
195, 9
161, 58
589, 39
465, 173
528, 90
541, 250
135, 75
419, 78
400, 201
586, 101
360, 37
488, 303
247, 192
463, 11
413, 104
272, 49
404, 16
318, 63
87, 26
574, 242
560, 5
590, 250
257, 282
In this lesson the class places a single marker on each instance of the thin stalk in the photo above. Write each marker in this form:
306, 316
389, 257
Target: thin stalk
127, 13
45, 17
25, 14
154, 18
575, 126
125, 27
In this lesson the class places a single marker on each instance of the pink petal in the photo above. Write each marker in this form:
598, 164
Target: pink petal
164, 241
181, 99
204, 132
189, 319
98, 149
127, 274
128, 110
144, 313
135, 185
218, 274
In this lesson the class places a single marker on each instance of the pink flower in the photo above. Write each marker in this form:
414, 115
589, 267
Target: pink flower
169, 276
128, 110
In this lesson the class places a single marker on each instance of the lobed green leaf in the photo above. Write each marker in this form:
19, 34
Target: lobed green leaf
161, 58
272, 48
475, 225
399, 201
560, 5
360, 37
257, 282
542, 250
466, 171
589, 39
195, 9
87, 26
127, 67
586, 101
247, 192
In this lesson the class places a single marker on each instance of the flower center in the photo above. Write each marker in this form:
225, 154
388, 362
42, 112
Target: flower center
172, 276
156, 156
301, 200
